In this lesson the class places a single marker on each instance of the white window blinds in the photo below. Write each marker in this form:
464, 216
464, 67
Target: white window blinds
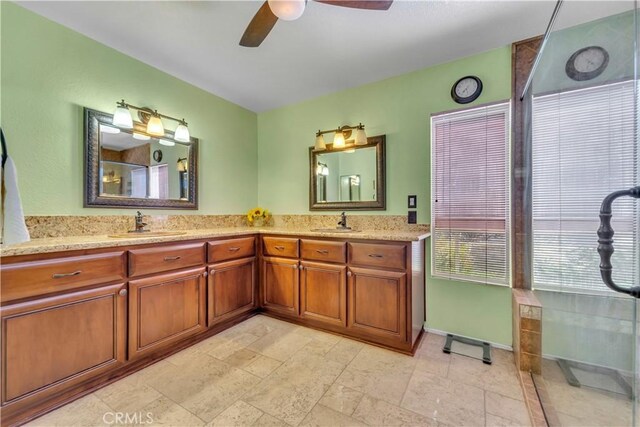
470, 194
584, 148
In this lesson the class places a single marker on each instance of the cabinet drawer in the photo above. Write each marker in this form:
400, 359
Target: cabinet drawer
165, 258
280, 246
378, 255
35, 278
320, 250
225, 250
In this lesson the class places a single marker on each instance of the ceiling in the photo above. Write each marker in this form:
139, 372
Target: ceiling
327, 50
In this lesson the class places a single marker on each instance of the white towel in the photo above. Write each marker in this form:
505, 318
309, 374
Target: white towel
14, 229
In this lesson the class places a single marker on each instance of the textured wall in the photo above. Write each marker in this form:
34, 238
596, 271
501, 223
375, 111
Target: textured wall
50, 72
399, 107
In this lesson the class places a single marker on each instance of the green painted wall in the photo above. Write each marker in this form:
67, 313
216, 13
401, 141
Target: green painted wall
399, 107
50, 72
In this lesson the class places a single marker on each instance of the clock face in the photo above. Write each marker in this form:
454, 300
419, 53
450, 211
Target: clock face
466, 90
587, 63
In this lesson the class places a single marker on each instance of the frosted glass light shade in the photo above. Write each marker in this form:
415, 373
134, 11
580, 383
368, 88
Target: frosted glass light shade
122, 118
320, 144
338, 140
141, 137
361, 137
155, 126
182, 133
166, 142
287, 10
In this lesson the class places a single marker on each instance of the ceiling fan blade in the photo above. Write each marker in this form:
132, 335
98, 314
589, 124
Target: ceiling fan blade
259, 27
362, 4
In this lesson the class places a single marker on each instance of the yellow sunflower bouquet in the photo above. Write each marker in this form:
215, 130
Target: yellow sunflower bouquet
258, 216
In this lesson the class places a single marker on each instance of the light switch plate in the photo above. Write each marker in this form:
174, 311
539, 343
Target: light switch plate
412, 201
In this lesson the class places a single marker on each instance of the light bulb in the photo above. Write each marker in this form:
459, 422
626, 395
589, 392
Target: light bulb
122, 117
182, 133
287, 10
361, 137
155, 126
320, 144
141, 136
166, 142
338, 140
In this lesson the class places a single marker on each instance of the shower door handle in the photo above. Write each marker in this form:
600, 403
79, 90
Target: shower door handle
605, 241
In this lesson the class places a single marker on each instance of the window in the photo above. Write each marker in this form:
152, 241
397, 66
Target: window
470, 194
583, 148
159, 182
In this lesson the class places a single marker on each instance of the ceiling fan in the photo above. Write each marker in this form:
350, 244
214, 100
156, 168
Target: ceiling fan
289, 10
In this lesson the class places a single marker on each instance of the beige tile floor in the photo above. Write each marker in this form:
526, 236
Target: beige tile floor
265, 372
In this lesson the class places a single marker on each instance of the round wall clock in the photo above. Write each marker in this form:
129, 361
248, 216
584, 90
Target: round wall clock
587, 63
466, 90
157, 155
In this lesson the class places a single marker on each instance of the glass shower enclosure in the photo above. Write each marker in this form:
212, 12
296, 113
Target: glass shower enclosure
581, 139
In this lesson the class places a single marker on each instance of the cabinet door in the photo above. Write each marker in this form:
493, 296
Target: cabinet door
164, 309
231, 289
378, 303
323, 293
280, 285
51, 344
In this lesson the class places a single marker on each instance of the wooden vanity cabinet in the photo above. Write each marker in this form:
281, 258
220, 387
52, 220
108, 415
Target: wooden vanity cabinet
280, 290
51, 344
166, 308
368, 290
378, 303
323, 293
231, 289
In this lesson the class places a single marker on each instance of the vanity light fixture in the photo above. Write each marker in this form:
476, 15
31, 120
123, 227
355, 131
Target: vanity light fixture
182, 165
322, 169
155, 126
340, 135
122, 118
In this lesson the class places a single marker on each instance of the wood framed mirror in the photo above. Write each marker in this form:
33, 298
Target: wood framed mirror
348, 178
129, 168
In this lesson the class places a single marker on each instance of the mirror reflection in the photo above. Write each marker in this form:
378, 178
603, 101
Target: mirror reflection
133, 165
348, 178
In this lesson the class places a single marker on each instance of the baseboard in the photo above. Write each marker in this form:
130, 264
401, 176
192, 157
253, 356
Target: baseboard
493, 344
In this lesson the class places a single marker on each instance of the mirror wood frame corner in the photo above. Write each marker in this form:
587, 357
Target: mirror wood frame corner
92, 197
377, 142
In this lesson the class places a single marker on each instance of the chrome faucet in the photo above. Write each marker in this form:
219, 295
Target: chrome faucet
343, 222
139, 224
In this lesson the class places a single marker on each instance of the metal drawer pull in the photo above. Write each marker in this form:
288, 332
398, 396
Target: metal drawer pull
234, 249
61, 275
322, 251
376, 256
171, 258
280, 248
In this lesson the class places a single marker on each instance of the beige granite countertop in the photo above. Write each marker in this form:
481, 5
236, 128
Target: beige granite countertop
60, 244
